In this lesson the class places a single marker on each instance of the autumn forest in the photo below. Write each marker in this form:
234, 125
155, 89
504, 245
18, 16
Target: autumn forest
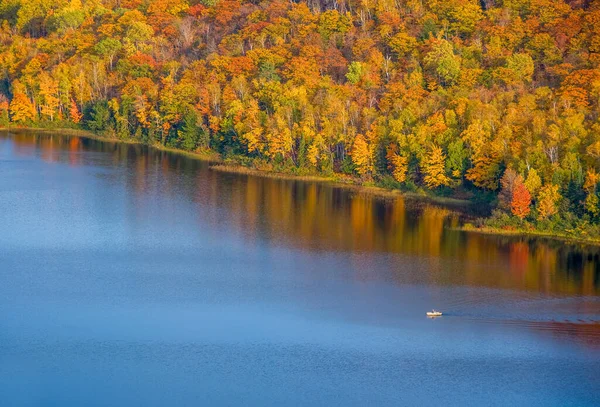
496, 100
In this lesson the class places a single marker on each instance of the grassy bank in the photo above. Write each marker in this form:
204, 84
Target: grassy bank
567, 238
241, 169
341, 181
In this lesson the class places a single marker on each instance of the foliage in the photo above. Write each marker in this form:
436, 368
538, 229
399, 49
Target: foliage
521, 199
98, 117
434, 168
509, 182
362, 156
533, 182
548, 201
21, 109
74, 113
398, 164
461, 94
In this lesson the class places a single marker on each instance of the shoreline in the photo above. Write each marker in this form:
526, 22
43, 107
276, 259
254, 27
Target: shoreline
204, 156
338, 182
486, 230
68, 132
348, 183
233, 168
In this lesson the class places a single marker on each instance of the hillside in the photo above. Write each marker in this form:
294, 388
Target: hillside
496, 98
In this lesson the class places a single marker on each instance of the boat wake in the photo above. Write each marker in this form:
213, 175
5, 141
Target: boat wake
569, 318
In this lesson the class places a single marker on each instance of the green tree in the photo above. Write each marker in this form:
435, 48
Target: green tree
356, 71
108, 48
457, 156
442, 61
99, 116
190, 133
67, 18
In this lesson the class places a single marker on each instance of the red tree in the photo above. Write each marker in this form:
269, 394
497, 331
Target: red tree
521, 200
74, 113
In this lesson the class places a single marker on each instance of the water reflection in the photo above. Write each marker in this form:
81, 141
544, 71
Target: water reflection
317, 217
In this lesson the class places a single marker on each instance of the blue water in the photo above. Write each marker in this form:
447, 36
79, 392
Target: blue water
135, 277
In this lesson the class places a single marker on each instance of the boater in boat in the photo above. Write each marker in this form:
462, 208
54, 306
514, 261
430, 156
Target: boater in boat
434, 313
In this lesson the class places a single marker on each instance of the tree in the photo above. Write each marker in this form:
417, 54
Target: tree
484, 173
509, 181
457, 155
99, 117
108, 47
547, 201
49, 95
591, 200
402, 44
4, 105
74, 113
443, 62
397, 164
521, 200
434, 167
21, 109
356, 70
521, 67
462, 15
533, 182
332, 22
67, 18
190, 132
591, 180
313, 154
31, 15
591, 203
362, 156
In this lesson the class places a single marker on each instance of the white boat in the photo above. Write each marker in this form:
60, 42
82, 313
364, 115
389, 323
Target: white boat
434, 313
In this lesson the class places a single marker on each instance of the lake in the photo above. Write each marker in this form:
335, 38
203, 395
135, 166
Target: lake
132, 276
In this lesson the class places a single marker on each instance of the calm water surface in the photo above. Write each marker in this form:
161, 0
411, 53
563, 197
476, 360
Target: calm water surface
130, 276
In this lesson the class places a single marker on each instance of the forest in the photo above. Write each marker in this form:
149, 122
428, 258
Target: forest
497, 100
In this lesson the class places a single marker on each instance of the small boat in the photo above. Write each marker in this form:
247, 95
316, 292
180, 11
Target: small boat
434, 313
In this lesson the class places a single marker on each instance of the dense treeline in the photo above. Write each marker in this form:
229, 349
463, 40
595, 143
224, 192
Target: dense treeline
490, 95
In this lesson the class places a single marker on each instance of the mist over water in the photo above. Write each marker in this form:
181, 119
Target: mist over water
131, 276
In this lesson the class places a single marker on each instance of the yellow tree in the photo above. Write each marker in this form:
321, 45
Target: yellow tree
21, 109
245, 117
547, 201
279, 139
591, 181
49, 95
3, 109
434, 166
315, 151
362, 156
533, 182
486, 167
397, 164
